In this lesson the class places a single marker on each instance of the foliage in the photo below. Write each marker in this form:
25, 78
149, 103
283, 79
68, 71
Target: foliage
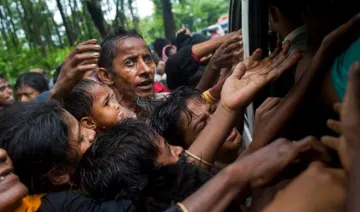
195, 15
30, 37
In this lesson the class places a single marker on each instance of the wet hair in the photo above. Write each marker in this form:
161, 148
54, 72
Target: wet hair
121, 165
109, 47
292, 10
36, 137
166, 117
34, 80
79, 102
159, 44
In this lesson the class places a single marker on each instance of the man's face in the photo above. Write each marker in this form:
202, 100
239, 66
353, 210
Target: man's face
134, 68
6, 93
201, 114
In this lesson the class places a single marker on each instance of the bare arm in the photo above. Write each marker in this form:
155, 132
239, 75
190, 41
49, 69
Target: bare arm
238, 91
332, 45
253, 171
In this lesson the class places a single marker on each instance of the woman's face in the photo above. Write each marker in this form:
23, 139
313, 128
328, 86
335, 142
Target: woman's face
106, 111
11, 189
134, 68
201, 114
168, 154
26, 93
80, 137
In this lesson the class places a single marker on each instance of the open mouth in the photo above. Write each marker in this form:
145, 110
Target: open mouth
146, 84
6, 173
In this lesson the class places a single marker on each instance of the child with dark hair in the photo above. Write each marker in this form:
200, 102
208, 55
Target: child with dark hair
30, 85
133, 161
126, 65
182, 117
94, 105
44, 142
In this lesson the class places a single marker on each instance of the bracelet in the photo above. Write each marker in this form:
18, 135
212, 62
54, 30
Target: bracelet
197, 158
208, 98
182, 207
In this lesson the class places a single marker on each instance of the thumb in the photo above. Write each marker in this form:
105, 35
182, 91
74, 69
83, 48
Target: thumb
239, 71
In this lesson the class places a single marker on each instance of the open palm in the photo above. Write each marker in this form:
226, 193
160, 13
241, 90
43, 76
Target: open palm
243, 84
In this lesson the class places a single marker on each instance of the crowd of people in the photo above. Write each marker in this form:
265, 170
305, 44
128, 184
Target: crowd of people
129, 127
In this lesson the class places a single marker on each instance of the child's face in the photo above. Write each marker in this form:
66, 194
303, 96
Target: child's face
134, 68
201, 115
168, 154
106, 112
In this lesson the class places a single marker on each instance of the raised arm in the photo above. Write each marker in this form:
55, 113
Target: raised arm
332, 45
238, 91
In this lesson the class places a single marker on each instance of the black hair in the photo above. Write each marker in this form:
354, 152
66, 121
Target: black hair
159, 44
80, 100
36, 137
117, 163
292, 10
165, 118
121, 165
2, 76
344, 9
109, 47
34, 80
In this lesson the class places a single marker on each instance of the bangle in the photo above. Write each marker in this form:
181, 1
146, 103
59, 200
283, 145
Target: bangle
208, 98
182, 207
197, 158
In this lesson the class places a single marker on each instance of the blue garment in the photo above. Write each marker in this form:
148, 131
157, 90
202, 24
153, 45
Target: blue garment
44, 96
341, 66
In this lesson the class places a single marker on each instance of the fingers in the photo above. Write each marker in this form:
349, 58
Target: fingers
334, 126
239, 70
87, 46
311, 143
331, 142
233, 46
337, 107
276, 50
352, 96
80, 58
256, 55
268, 105
85, 68
285, 65
286, 47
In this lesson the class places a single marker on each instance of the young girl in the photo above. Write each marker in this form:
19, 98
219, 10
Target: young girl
94, 105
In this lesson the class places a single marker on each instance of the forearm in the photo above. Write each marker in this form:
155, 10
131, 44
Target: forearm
213, 136
209, 77
218, 193
204, 49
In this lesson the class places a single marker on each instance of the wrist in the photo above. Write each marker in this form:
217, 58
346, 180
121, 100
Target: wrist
236, 175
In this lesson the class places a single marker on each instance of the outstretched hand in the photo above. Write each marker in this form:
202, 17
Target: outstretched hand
249, 77
268, 162
82, 59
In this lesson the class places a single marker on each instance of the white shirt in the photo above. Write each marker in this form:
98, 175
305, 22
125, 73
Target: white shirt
298, 39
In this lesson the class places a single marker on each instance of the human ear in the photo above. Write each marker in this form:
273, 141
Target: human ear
105, 76
273, 14
88, 123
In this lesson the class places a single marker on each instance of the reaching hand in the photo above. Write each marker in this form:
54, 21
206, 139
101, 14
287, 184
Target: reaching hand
265, 164
242, 86
265, 110
82, 59
317, 189
229, 53
350, 110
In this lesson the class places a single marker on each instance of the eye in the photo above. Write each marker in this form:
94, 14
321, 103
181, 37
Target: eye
2, 88
148, 59
130, 63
